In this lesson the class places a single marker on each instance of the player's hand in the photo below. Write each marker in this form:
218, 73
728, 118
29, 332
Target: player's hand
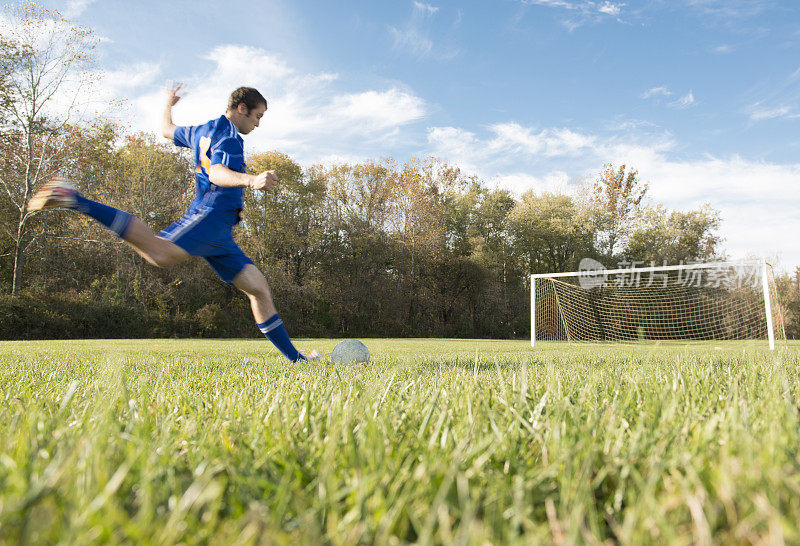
264, 181
172, 91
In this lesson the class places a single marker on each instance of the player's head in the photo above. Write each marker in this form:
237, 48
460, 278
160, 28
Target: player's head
246, 106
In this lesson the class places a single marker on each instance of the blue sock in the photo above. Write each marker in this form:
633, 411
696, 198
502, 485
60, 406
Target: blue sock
114, 219
276, 332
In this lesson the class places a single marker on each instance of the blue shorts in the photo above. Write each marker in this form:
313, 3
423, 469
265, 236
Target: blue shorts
207, 232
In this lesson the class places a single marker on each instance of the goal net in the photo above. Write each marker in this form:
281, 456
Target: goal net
658, 305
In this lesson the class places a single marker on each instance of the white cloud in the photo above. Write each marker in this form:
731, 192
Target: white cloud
341, 158
132, 76
378, 109
731, 9
112, 89
75, 8
551, 182
307, 118
552, 3
584, 10
457, 146
578, 13
411, 40
512, 137
510, 141
657, 92
233, 61
777, 99
629, 125
760, 114
425, 8
684, 102
416, 35
610, 9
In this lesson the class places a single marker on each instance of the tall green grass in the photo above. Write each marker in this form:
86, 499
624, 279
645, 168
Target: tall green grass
434, 441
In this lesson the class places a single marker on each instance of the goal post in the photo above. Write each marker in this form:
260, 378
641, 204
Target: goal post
719, 301
767, 304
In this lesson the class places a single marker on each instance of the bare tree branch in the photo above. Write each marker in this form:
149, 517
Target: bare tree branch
10, 195
53, 236
41, 79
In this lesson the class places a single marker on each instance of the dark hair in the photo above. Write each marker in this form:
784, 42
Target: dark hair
248, 96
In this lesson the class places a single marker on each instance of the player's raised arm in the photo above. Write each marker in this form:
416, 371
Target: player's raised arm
172, 98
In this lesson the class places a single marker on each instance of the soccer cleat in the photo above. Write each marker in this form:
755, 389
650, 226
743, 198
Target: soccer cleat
313, 355
57, 193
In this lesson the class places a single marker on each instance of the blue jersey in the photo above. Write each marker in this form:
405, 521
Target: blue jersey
215, 142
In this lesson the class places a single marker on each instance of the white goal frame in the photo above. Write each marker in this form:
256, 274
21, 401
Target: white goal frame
768, 303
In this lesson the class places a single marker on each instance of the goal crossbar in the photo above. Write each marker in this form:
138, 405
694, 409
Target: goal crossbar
595, 272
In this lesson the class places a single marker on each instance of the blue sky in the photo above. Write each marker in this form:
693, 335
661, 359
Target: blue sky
701, 96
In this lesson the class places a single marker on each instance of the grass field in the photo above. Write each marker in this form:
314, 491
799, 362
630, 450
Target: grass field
434, 441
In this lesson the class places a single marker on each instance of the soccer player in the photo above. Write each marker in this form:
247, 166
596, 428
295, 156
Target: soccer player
207, 227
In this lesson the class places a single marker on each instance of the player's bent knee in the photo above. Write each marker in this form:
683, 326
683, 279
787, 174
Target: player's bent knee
252, 282
164, 261
256, 290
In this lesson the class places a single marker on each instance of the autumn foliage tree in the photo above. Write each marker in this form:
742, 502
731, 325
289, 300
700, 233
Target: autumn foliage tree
551, 232
673, 237
615, 198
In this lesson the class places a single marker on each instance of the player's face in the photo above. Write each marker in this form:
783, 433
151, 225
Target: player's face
252, 119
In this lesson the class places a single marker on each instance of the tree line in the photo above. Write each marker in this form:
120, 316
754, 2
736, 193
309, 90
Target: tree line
377, 248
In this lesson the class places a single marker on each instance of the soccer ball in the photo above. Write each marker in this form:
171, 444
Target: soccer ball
350, 350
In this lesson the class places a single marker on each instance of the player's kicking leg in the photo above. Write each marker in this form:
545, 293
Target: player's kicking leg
252, 282
59, 193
